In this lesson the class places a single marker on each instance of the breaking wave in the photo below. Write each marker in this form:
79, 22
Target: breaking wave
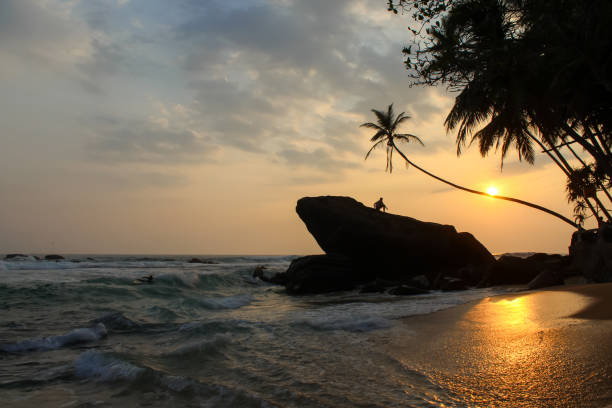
77, 336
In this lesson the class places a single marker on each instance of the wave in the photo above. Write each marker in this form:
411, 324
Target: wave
220, 302
116, 321
356, 324
76, 336
215, 326
207, 346
131, 262
99, 367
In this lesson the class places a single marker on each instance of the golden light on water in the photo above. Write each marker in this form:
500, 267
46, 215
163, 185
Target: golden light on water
492, 191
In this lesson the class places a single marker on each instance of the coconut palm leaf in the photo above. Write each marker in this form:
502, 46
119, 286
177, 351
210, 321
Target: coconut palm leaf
377, 144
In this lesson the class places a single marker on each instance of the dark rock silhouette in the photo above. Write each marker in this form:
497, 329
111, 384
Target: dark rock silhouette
591, 253
320, 274
363, 245
545, 279
12, 256
515, 270
395, 245
377, 286
201, 261
54, 257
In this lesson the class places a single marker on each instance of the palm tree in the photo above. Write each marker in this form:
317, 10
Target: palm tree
386, 127
386, 133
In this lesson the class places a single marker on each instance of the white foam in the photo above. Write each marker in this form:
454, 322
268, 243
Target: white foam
77, 336
97, 366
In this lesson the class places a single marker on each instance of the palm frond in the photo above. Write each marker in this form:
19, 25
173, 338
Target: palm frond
399, 119
407, 137
380, 135
377, 144
371, 125
382, 117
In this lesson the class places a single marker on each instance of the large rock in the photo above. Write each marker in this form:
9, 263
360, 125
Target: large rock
591, 253
389, 246
514, 270
545, 279
320, 274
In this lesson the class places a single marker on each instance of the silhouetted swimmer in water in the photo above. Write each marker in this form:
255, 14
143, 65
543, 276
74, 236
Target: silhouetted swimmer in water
144, 279
379, 205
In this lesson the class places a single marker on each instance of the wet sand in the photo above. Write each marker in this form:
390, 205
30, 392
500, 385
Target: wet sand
551, 348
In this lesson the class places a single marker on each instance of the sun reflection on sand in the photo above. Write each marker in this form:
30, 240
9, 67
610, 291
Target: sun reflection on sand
512, 351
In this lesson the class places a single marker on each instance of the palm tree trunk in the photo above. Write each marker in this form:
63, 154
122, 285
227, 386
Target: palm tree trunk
599, 203
482, 193
561, 163
599, 156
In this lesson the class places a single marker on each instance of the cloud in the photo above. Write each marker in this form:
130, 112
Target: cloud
286, 80
126, 140
319, 159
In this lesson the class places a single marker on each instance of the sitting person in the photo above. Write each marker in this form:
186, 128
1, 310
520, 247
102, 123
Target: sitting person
380, 205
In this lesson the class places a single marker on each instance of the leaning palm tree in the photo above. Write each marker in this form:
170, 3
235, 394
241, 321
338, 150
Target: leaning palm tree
386, 128
386, 134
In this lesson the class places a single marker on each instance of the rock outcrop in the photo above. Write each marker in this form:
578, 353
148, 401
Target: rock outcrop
54, 257
363, 245
321, 274
514, 270
591, 253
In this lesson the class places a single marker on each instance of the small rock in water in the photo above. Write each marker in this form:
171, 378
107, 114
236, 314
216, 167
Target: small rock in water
53, 257
12, 256
378, 286
201, 261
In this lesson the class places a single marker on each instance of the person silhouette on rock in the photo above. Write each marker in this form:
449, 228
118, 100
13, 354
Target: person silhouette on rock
379, 205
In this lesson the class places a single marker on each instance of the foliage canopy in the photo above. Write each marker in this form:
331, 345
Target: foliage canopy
529, 74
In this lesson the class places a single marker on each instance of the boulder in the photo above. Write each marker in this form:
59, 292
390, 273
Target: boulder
201, 261
13, 256
389, 246
546, 278
420, 281
260, 272
54, 257
514, 270
591, 253
449, 283
377, 286
320, 274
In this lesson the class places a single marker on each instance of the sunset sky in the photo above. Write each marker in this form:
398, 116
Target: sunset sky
194, 126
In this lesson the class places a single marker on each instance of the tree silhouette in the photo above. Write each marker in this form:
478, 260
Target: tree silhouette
386, 127
526, 73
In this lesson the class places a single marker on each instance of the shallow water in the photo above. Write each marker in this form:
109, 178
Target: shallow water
83, 334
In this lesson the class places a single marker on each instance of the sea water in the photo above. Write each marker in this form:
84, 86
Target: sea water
80, 332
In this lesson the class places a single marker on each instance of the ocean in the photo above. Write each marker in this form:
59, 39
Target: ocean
80, 332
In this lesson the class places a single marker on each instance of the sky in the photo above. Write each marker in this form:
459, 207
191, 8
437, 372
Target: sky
194, 126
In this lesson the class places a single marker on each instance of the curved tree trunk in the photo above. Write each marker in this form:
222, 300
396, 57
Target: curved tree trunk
469, 190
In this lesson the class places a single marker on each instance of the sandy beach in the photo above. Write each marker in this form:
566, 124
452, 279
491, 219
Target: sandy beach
551, 348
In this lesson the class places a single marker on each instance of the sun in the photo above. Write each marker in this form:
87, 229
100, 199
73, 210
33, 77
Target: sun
492, 191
